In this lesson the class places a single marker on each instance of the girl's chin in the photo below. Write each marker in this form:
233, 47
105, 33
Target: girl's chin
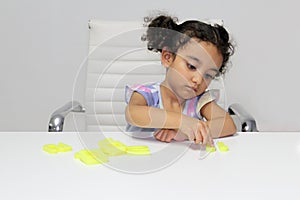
189, 95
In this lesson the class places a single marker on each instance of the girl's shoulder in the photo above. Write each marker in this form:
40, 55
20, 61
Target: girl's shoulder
149, 87
206, 97
194, 105
150, 92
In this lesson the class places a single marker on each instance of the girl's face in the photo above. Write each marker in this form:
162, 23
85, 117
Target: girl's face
195, 65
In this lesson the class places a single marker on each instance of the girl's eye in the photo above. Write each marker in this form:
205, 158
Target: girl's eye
192, 67
209, 77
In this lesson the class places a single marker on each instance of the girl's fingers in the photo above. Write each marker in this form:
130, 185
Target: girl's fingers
201, 134
158, 134
155, 133
209, 138
198, 137
191, 136
170, 136
204, 134
164, 135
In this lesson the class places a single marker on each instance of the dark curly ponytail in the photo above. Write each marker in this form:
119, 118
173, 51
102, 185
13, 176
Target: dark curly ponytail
163, 31
159, 33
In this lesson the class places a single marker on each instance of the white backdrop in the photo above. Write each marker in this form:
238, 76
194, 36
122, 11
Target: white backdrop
43, 44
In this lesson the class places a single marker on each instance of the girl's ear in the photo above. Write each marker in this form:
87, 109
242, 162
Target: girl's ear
166, 57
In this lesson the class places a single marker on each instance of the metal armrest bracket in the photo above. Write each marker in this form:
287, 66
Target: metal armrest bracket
248, 123
56, 121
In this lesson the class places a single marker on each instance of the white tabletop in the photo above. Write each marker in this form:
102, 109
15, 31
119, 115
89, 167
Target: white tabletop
257, 166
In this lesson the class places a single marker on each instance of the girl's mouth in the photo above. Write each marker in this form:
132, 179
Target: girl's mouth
194, 89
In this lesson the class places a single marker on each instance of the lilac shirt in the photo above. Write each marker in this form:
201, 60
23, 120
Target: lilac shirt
151, 93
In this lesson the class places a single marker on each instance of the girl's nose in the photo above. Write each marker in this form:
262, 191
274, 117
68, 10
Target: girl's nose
197, 78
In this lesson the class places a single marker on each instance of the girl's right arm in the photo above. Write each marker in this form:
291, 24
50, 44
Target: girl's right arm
138, 113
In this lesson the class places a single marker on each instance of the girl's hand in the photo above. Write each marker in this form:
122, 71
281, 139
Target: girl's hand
165, 135
192, 129
196, 130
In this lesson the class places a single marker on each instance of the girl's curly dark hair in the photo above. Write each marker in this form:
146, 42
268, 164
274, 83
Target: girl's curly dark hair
163, 31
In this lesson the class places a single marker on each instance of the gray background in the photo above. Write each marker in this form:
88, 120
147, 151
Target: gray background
43, 43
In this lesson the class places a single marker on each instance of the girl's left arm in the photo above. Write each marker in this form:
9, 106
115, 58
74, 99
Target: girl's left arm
218, 120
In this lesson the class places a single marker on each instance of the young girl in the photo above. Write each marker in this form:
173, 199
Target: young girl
180, 107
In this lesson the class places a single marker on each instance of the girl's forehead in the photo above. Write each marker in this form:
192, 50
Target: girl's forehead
203, 51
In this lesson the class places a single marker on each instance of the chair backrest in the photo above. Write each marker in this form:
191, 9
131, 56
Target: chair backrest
117, 56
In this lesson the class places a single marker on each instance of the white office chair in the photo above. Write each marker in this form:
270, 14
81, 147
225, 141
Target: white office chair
117, 57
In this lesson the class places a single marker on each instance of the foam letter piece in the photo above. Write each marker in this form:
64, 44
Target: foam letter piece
138, 150
50, 148
53, 148
91, 157
111, 147
119, 145
210, 148
222, 147
63, 147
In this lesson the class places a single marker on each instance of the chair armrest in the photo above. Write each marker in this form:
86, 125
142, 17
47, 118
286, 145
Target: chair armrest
57, 119
247, 122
